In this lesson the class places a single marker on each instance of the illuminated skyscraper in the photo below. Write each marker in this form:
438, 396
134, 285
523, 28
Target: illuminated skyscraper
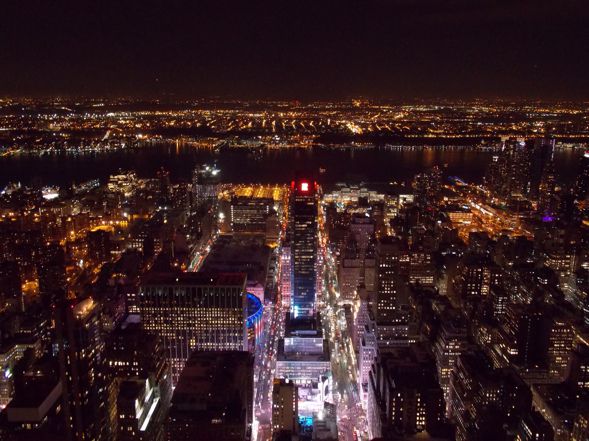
509, 172
541, 162
582, 182
286, 273
137, 361
526, 336
303, 214
205, 184
483, 399
85, 397
163, 176
248, 215
547, 198
194, 311
350, 270
404, 396
284, 407
428, 186
99, 245
392, 312
452, 341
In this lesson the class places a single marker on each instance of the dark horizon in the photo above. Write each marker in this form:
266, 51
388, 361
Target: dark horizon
396, 49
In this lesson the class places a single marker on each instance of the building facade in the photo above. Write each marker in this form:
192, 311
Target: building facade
195, 311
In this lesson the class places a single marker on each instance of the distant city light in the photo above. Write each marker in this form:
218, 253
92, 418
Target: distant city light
50, 193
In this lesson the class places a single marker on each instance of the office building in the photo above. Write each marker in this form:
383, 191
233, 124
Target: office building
560, 346
509, 174
86, 400
581, 188
350, 270
548, 201
362, 315
404, 396
475, 276
486, 402
303, 353
428, 186
286, 275
525, 336
499, 301
245, 254
421, 267
533, 427
452, 341
213, 398
205, 184
36, 411
389, 254
195, 311
303, 218
541, 166
99, 245
367, 354
249, 215
285, 411
362, 228
581, 427
392, 310
51, 272
137, 361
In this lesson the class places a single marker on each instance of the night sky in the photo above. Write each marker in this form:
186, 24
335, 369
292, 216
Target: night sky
398, 49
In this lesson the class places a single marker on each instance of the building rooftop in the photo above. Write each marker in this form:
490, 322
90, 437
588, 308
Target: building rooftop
237, 253
281, 355
303, 326
214, 384
131, 389
35, 399
191, 278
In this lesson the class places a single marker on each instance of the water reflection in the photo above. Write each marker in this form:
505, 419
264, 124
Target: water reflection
272, 165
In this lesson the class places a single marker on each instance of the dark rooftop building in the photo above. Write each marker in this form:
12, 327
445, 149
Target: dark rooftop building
34, 413
404, 396
190, 278
213, 398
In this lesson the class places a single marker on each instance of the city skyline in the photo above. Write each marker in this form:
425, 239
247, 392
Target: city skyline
304, 221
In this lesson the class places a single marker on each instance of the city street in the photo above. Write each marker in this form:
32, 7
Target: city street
350, 415
265, 365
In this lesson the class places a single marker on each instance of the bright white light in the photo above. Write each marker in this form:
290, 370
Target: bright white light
149, 414
50, 196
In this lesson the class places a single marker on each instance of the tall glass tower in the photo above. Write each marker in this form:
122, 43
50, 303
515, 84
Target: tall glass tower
581, 189
303, 217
